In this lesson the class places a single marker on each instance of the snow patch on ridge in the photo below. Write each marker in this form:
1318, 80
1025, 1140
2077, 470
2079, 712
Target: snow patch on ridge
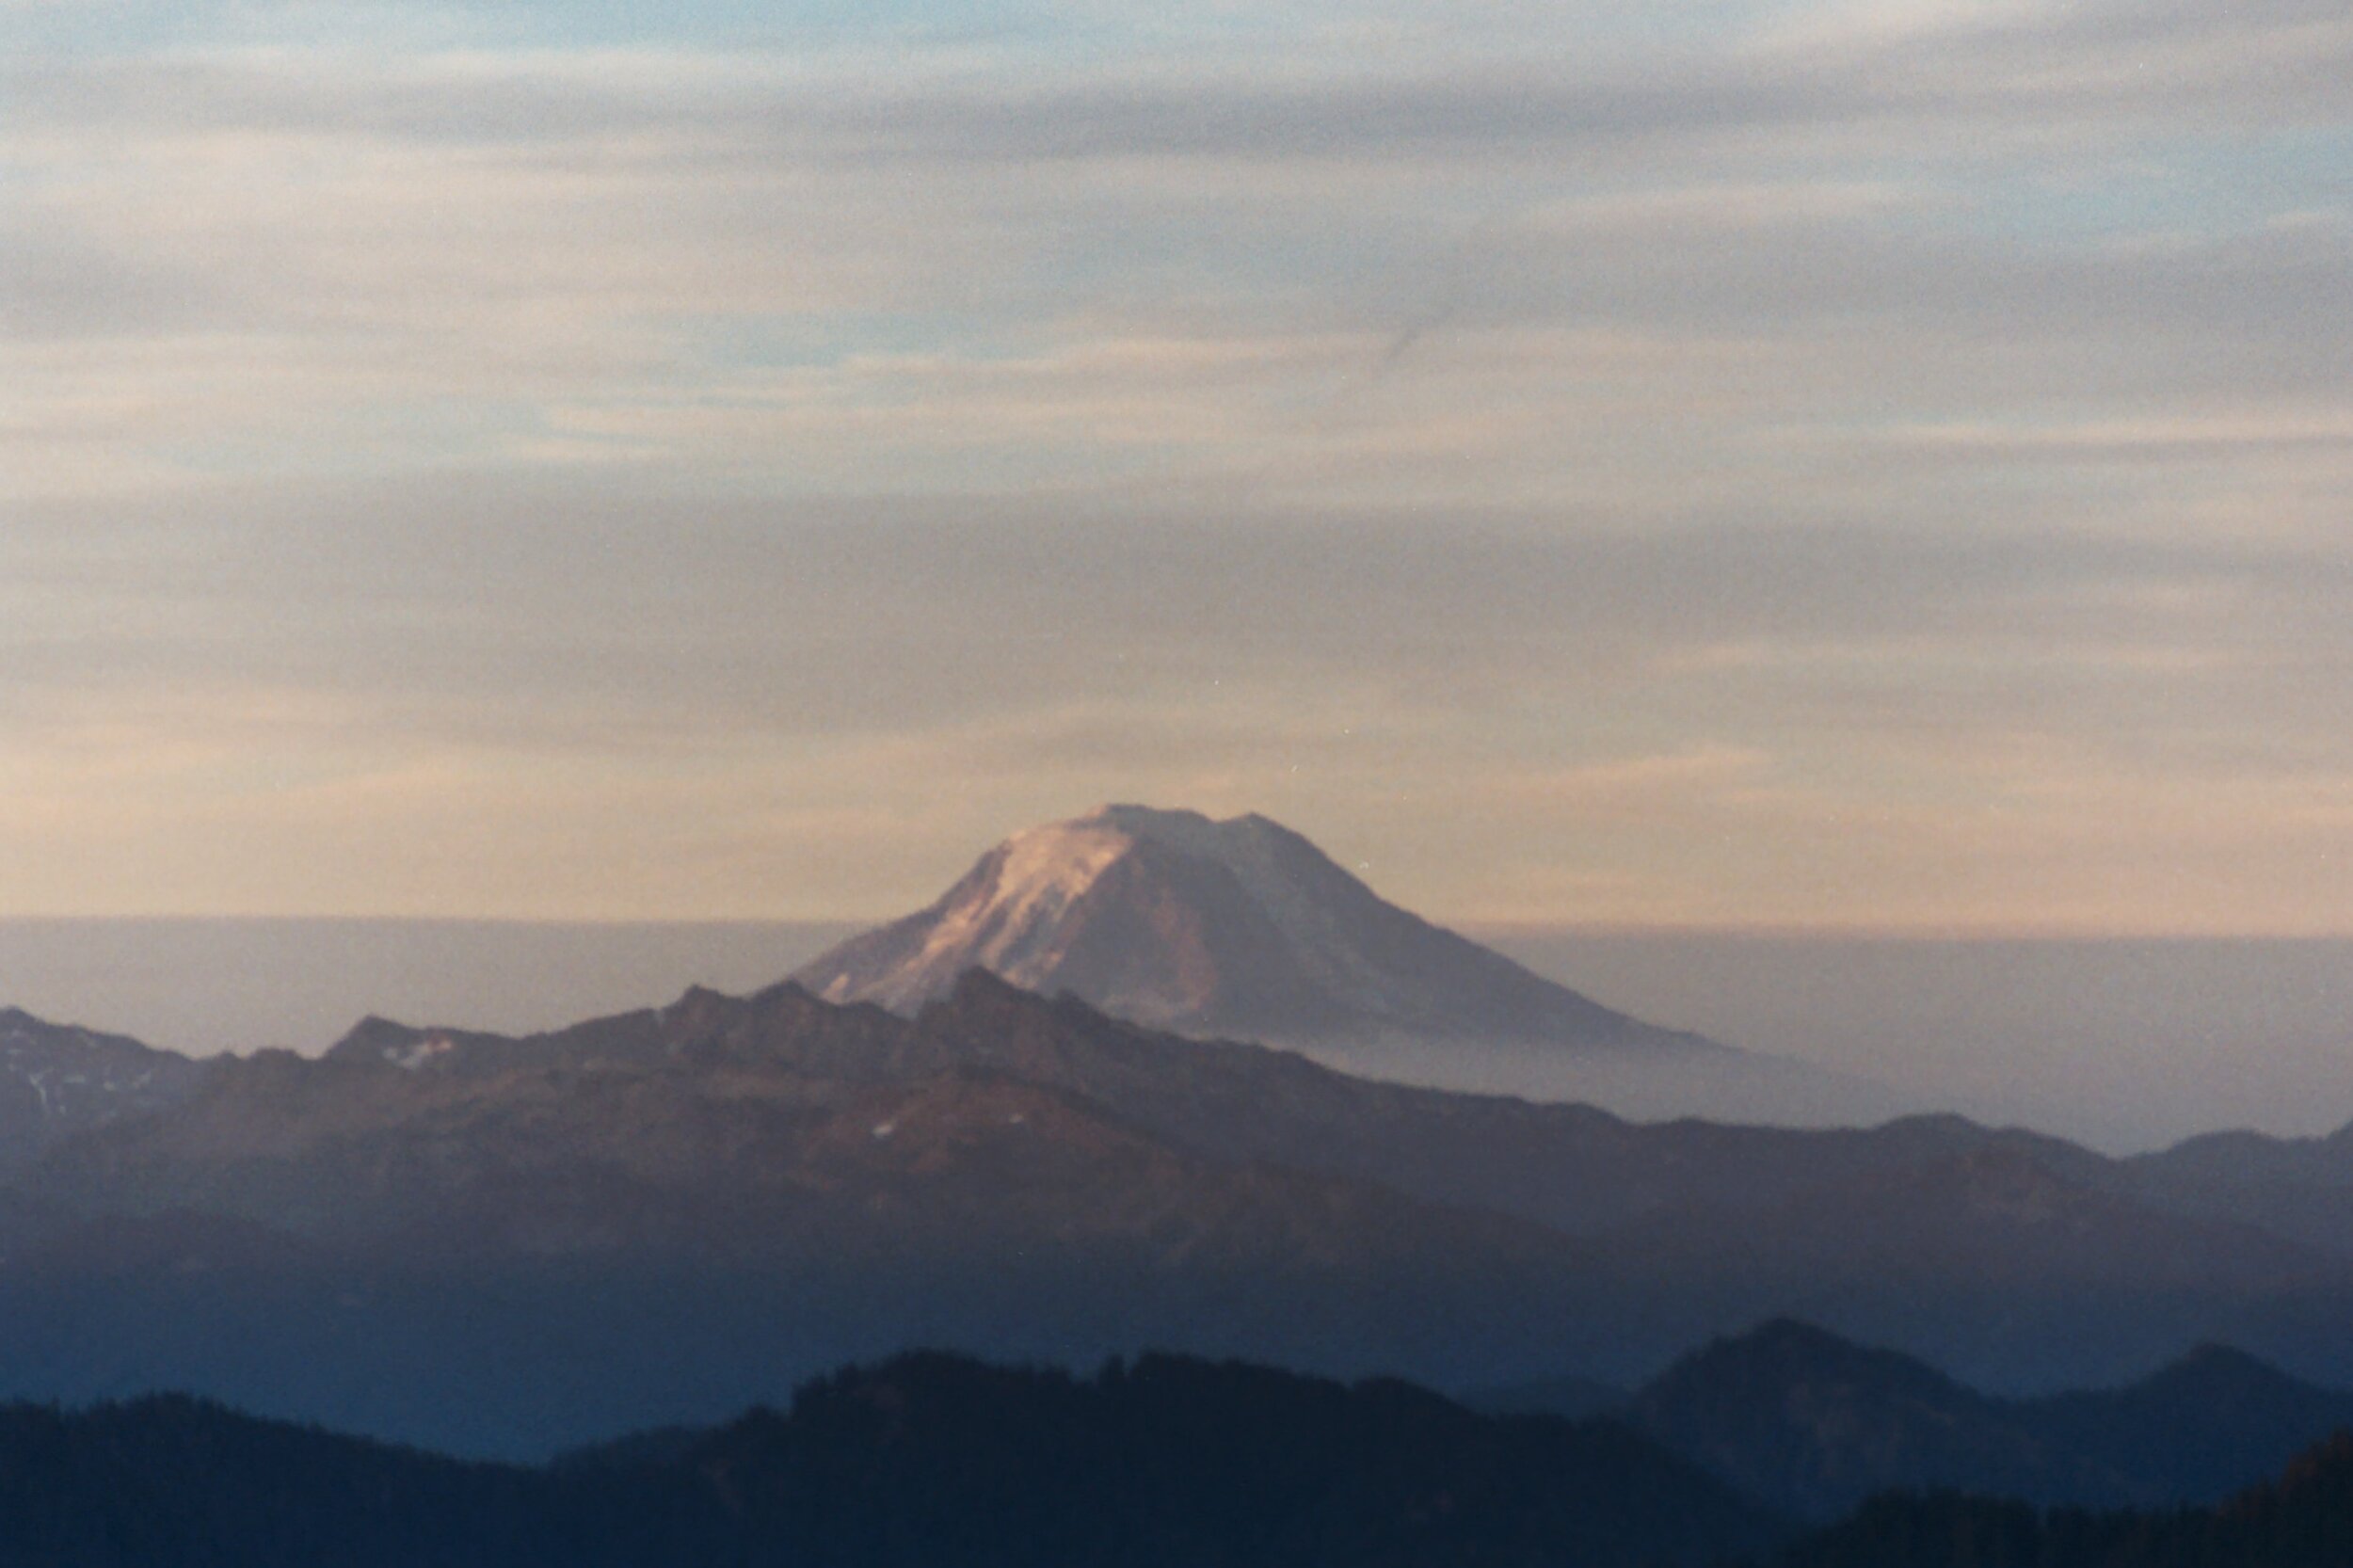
416, 1054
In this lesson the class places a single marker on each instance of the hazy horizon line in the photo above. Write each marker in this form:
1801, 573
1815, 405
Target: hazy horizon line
1470, 925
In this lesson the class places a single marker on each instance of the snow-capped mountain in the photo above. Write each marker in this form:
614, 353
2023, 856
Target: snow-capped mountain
1237, 927
56, 1079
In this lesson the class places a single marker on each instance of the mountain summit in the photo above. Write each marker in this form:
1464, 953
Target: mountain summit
1236, 927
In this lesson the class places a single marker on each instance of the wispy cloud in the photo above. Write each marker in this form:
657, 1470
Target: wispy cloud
1822, 449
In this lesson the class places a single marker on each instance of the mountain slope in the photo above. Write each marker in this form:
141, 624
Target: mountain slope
57, 1080
1572, 1167
2012, 1269
2298, 1187
2197, 1428
1814, 1424
1237, 927
504, 1246
641, 1218
727, 1160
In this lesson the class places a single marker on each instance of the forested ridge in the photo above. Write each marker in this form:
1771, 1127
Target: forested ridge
923, 1461
933, 1459
2302, 1520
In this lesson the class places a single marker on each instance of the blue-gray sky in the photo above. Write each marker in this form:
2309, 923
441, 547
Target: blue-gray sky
1881, 466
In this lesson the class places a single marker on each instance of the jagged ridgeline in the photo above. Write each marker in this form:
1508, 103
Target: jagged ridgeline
502, 1245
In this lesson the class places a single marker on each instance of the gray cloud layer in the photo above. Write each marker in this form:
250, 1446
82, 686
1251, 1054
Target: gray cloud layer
1872, 466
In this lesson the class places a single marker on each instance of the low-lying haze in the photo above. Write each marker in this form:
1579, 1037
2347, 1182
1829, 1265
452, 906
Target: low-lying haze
2123, 1043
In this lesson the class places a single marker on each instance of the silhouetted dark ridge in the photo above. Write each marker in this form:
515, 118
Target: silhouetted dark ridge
1162, 1461
2211, 1368
2200, 1427
928, 1460
2304, 1519
167, 1481
1172, 1461
1781, 1348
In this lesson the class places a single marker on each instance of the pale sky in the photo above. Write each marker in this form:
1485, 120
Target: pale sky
1878, 465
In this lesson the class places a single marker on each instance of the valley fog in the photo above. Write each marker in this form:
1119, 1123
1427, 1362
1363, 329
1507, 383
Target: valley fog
2125, 1044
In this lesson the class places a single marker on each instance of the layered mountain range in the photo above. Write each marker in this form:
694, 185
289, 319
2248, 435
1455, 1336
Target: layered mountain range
501, 1244
504, 1246
927, 1459
1815, 1424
